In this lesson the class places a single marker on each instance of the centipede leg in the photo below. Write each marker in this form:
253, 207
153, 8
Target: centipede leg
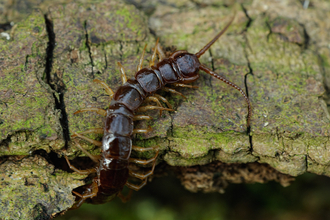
152, 107
143, 149
139, 67
96, 110
97, 143
107, 89
139, 175
185, 85
154, 99
82, 172
78, 203
123, 74
161, 53
141, 117
174, 92
125, 198
153, 57
93, 157
90, 131
141, 130
144, 162
136, 187
91, 192
164, 100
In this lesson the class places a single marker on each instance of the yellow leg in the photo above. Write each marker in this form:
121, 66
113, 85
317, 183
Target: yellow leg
141, 117
185, 85
152, 107
96, 110
144, 162
154, 99
82, 172
139, 161
140, 130
107, 89
161, 53
136, 187
91, 192
143, 149
139, 67
153, 57
123, 74
125, 198
97, 143
174, 91
90, 131
93, 157
164, 100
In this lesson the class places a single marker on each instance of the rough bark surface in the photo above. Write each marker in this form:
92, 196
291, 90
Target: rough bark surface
277, 51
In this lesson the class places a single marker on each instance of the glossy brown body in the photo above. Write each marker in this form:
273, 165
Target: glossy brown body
112, 172
117, 142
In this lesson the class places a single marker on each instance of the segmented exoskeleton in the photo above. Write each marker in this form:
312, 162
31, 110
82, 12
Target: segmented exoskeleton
179, 69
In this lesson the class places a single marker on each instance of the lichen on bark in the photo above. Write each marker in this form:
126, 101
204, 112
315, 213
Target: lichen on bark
280, 58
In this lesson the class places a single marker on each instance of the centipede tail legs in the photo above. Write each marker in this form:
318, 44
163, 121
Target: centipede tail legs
124, 198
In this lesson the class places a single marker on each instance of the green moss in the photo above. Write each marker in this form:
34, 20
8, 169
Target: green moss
25, 123
325, 60
132, 20
191, 142
46, 131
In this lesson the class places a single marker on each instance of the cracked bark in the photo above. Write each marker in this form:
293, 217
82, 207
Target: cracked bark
206, 135
89, 48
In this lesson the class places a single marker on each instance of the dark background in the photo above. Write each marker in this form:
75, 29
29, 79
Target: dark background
165, 199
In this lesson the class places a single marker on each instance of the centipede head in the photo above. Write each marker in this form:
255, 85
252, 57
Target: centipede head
188, 65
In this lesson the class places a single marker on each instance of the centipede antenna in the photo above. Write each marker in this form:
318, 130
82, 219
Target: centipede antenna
207, 46
210, 72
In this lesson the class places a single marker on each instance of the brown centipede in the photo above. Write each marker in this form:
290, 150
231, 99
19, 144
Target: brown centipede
179, 69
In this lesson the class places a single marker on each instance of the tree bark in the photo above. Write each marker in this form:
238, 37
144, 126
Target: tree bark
277, 52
